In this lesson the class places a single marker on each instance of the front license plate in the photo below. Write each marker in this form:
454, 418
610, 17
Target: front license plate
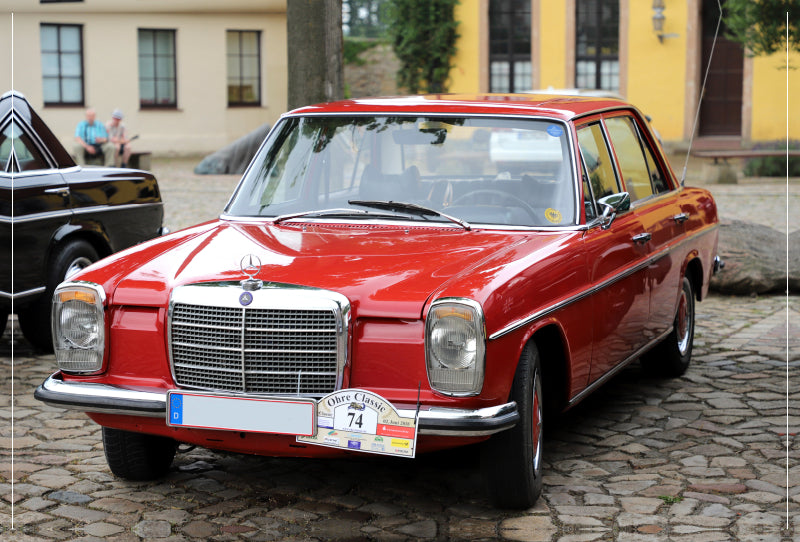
241, 413
362, 421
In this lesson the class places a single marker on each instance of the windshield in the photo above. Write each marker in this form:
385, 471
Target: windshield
495, 171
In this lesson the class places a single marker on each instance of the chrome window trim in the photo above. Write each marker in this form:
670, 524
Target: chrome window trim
271, 295
402, 223
36, 172
513, 326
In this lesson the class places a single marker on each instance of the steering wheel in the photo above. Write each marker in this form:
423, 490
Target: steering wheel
504, 196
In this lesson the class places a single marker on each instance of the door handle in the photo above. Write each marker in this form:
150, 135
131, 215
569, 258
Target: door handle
642, 238
63, 192
679, 218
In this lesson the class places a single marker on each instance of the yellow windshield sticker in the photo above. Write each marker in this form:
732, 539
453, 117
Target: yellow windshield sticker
553, 215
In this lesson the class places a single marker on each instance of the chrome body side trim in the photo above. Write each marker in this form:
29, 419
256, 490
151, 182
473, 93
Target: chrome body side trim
18, 295
104, 398
617, 368
77, 211
513, 326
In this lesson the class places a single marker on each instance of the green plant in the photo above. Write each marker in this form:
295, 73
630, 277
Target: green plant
424, 36
670, 499
774, 166
354, 47
761, 25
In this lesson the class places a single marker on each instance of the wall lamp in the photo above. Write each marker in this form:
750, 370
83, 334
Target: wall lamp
658, 21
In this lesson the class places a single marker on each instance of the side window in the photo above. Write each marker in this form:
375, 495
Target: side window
597, 164
656, 176
632, 165
17, 152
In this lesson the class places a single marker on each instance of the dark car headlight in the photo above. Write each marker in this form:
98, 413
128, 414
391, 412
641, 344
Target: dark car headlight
455, 346
79, 327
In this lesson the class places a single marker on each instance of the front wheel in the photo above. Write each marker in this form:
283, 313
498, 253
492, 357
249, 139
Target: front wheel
512, 460
672, 355
137, 456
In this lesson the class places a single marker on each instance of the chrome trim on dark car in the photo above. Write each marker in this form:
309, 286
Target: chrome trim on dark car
108, 399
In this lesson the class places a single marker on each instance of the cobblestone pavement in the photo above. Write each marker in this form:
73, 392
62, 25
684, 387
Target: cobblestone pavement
712, 456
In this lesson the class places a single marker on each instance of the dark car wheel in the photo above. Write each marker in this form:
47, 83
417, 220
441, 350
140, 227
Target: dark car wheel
136, 456
671, 356
34, 320
511, 461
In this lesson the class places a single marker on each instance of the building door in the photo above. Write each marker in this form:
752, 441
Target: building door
721, 108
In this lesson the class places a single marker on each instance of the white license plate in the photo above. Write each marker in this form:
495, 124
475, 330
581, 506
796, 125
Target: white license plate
242, 413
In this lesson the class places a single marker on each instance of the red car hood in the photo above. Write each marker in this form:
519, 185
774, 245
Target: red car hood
384, 270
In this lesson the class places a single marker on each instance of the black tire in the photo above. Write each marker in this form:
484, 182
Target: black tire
671, 356
511, 461
34, 320
137, 456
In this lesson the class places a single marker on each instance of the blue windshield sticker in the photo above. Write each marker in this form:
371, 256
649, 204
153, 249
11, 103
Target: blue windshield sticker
555, 130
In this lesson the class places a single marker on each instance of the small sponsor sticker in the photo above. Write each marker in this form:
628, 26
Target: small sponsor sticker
401, 443
354, 444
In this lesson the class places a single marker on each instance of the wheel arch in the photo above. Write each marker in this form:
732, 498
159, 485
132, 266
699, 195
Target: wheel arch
91, 232
693, 270
551, 343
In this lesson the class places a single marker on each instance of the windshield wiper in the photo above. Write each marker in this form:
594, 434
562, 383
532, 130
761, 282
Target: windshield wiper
331, 213
413, 208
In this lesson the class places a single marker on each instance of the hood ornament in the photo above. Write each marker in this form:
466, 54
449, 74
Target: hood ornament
250, 266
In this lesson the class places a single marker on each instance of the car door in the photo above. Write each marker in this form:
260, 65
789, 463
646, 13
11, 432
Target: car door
651, 200
40, 206
617, 263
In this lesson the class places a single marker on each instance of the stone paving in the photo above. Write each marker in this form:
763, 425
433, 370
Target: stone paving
712, 456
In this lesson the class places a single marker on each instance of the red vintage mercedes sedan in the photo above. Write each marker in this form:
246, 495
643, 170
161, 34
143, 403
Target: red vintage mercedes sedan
395, 276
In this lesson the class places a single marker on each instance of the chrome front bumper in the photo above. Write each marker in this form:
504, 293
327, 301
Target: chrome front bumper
93, 397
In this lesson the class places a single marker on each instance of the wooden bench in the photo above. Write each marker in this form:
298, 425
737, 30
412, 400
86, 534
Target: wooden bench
724, 172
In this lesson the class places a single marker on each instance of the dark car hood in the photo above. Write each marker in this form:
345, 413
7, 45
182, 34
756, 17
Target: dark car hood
384, 270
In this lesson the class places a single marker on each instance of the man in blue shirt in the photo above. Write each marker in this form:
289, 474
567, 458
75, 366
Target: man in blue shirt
91, 141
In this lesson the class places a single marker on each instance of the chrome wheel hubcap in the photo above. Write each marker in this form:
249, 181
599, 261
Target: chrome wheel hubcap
78, 264
683, 323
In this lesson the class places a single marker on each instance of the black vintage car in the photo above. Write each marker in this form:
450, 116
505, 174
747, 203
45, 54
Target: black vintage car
57, 217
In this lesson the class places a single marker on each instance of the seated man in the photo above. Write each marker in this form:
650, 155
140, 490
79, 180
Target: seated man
91, 141
119, 138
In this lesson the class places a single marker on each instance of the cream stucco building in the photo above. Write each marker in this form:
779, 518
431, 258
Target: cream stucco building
189, 75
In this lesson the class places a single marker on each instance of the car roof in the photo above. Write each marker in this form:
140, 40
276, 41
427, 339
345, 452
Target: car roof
13, 103
562, 107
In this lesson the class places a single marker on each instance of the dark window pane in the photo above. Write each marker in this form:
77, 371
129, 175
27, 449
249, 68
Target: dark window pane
509, 45
597, 43
62, 63
157, 80
244, 67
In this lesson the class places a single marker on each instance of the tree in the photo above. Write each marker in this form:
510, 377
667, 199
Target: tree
314, 40
760, 25
424, 36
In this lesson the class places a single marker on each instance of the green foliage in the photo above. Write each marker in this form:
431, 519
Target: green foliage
760, 25
354, 47
670, 499
424, 36
773, 166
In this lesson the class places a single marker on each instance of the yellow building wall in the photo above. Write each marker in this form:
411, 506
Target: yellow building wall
770, 111
657, 70
465, 77
551, 53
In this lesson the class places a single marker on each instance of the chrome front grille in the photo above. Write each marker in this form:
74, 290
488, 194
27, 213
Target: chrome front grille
288, 341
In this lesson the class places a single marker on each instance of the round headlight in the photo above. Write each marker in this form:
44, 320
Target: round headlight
79, 326
453, 342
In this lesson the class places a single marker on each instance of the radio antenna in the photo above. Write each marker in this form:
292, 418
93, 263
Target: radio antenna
702, 94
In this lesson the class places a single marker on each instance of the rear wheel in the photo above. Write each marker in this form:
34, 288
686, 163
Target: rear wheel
34, 320
512, 460
137, 456
671, 356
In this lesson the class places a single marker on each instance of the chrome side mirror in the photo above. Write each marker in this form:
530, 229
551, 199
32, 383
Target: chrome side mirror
611, 205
